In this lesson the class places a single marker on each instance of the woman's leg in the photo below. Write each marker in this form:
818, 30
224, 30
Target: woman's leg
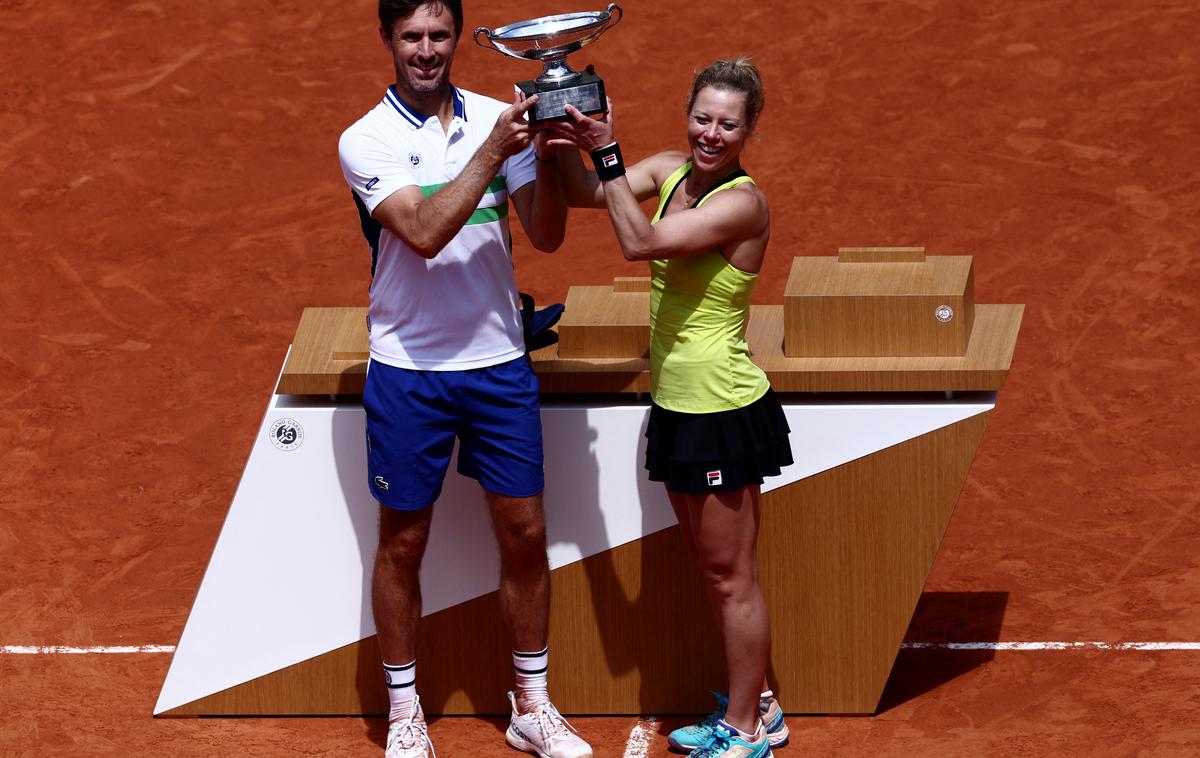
679, 503
724, 531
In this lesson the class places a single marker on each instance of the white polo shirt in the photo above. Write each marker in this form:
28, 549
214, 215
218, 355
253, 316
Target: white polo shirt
458, 310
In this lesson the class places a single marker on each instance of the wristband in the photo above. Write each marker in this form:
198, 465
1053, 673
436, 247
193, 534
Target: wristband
608, 163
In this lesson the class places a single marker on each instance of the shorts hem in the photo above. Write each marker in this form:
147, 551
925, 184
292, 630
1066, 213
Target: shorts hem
403, 505
494, 491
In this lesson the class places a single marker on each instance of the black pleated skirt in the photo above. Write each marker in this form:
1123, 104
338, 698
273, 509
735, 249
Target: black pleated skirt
699, 453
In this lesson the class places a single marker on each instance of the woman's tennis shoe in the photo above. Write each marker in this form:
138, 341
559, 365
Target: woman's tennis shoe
687, 738
727, 742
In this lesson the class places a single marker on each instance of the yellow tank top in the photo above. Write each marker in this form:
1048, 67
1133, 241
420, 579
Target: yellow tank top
699, 359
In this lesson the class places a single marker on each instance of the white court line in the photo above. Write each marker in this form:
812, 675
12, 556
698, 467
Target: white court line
1025, 646
639, 738
64, 650
1152, 646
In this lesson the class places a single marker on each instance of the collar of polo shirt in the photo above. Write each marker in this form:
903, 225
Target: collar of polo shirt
415, 118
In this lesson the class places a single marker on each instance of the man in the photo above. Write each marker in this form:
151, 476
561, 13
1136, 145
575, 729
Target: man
433, 169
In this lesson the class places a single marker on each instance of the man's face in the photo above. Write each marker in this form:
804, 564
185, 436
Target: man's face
422, 47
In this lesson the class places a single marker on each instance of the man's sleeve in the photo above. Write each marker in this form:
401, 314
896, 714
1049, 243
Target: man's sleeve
371, 167
520, 169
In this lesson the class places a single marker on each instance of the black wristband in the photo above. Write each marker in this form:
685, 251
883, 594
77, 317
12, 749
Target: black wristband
608, 163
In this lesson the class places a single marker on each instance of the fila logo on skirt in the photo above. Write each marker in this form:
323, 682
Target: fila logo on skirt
714, 478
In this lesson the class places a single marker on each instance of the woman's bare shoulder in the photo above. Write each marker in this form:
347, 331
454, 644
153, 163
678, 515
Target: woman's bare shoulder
662, 165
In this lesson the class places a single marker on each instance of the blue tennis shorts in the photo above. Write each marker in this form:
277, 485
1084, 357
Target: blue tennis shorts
414, 416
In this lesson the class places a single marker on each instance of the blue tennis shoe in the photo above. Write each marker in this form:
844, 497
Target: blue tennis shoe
723, 744
687, 738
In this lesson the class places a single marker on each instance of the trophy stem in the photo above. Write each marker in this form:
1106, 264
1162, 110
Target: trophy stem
556, 73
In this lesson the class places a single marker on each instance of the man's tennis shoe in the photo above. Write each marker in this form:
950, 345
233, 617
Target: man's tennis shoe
544, 732
408, 737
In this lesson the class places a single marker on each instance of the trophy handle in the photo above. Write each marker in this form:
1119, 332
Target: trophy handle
620, 14
487, 33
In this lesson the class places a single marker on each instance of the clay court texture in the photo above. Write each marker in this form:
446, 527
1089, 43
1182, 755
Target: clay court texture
171, 200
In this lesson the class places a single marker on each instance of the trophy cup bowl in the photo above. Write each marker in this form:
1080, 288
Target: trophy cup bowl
550, 39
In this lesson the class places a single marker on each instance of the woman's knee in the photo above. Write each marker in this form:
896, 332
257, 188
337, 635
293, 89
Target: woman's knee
727, 578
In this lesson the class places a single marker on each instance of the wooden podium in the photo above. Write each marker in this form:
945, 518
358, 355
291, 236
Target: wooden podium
844, 550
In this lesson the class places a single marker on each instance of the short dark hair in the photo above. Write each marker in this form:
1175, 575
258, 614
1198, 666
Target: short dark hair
732, 75
391, 11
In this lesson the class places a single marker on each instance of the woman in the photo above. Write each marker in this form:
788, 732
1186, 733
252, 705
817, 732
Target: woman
715, 428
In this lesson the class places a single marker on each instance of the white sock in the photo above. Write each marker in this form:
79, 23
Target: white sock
753, 736
531, 669
402, 688
764, 700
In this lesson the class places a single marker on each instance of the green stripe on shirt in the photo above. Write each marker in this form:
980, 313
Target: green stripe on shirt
481, 215
488, 215
497, 185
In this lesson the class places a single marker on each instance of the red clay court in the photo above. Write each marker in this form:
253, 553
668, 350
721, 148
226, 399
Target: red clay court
171, 201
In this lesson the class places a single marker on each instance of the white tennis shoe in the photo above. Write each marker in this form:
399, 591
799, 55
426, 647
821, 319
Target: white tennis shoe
408, 737
544, 732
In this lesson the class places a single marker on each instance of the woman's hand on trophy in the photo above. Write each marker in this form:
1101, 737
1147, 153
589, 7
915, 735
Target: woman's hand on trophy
583, 132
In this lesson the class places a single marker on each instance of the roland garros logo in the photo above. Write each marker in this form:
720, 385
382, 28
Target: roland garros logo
943, 313
286, 434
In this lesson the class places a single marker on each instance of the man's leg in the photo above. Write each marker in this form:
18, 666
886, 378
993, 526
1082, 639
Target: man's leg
396, 586
396, 599
536, 725
524, 569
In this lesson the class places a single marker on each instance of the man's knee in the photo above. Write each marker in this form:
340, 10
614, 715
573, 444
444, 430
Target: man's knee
521, 535
403, 536
524, 529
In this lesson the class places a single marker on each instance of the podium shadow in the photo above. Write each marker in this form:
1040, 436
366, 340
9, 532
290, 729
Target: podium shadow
943, 617
349, 437
656, 620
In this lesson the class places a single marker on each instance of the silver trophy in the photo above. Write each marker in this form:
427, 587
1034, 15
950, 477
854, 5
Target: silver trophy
550, 39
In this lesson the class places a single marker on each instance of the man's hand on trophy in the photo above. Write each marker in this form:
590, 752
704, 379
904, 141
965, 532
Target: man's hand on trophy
511, 133
584, 132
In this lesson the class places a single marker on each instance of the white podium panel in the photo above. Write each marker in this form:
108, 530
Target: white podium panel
289, 578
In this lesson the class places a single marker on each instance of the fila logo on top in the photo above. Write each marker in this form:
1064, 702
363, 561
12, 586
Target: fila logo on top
714, 478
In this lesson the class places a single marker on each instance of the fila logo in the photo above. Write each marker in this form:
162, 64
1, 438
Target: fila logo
714, 478
371, 184
381, 483
609, 160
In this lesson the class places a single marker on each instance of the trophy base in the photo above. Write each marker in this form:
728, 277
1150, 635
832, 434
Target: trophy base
585, 92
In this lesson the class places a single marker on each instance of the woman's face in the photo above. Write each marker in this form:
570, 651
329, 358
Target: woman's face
717, 128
